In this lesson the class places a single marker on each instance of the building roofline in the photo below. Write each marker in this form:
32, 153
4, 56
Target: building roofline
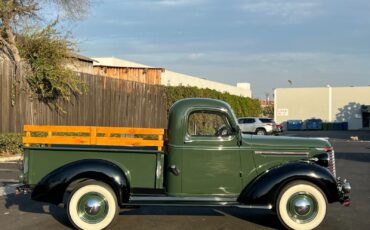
324, 87
128, 67
81, 57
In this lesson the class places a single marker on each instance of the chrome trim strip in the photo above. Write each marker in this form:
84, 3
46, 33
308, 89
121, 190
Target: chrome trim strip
204, 204
269, 207
226, 204
182, 199
281, 153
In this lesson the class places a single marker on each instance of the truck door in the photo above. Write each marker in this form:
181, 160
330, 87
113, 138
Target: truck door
210, 157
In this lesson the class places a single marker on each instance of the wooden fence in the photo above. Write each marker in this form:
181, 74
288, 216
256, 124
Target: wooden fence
108, 102
150, 76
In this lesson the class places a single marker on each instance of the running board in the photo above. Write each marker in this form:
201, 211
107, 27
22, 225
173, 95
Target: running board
190, 201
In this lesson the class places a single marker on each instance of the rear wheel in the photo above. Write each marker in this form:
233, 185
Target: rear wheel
92, 205
260, 132
301, 205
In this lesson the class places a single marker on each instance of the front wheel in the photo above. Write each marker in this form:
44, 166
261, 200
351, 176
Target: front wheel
92, 205
301, 205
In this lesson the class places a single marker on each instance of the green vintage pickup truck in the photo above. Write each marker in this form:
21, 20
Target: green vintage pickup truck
206, 161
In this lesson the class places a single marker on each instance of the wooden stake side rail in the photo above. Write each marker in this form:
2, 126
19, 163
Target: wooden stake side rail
94, 135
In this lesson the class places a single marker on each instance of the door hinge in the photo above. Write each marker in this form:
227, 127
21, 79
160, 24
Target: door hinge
240, 173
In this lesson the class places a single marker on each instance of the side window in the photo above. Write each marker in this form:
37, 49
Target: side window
241, 121
249, 120
207, 123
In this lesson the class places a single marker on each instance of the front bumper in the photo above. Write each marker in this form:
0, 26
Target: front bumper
344, 189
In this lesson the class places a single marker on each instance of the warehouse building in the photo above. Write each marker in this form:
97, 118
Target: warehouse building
330, 104
119, 68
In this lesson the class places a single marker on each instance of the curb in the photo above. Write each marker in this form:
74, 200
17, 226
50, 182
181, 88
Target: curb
12, 158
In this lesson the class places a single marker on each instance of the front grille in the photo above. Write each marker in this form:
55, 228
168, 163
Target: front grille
331, 165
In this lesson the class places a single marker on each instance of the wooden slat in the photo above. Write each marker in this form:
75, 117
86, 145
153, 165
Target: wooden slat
28, 135
130, 130
57, 140
47, 128
160, 138
86, 129
87, 141
128, 142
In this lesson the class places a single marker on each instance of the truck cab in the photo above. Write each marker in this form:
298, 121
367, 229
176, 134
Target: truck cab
206, 161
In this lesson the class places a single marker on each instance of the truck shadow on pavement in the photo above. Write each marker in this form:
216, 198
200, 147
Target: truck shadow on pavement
24, 204
264, 218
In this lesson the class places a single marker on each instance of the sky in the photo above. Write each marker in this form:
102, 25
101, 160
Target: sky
264, 42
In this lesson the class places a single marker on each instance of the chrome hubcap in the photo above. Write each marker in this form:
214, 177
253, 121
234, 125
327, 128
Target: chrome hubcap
302, 207
92, 208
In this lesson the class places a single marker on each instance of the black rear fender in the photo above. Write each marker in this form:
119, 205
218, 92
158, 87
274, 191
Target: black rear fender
265, 189
52, 187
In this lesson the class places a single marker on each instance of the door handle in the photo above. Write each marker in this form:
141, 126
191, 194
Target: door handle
174, 170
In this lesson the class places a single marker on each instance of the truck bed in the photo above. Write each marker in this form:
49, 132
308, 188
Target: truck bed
139, 163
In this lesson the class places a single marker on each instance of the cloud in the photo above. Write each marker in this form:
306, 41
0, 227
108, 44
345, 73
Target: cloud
293, 11
179, 2
196, 56
117, 22
162, 3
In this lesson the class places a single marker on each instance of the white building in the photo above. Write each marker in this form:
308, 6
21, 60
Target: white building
170, 78
330, 104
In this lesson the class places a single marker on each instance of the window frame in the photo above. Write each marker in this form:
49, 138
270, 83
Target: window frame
219, 111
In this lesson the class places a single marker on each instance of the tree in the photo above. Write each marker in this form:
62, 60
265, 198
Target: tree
268, 111
13, 12
25, 38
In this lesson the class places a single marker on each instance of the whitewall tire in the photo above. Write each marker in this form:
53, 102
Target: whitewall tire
301, 205
92, 205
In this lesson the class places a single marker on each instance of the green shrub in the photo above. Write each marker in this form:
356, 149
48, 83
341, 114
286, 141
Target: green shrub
242, 106
11, 143
48, 53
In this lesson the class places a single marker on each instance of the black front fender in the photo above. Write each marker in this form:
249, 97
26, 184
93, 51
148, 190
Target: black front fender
52, 187
265, 189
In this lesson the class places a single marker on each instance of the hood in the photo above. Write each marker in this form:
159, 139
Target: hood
285, 142
275, 144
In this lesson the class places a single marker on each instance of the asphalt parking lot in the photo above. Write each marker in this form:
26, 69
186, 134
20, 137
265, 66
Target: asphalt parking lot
352, 160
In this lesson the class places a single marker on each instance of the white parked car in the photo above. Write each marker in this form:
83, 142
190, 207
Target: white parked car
257, 125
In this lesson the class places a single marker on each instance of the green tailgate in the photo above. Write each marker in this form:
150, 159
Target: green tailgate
139, 165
